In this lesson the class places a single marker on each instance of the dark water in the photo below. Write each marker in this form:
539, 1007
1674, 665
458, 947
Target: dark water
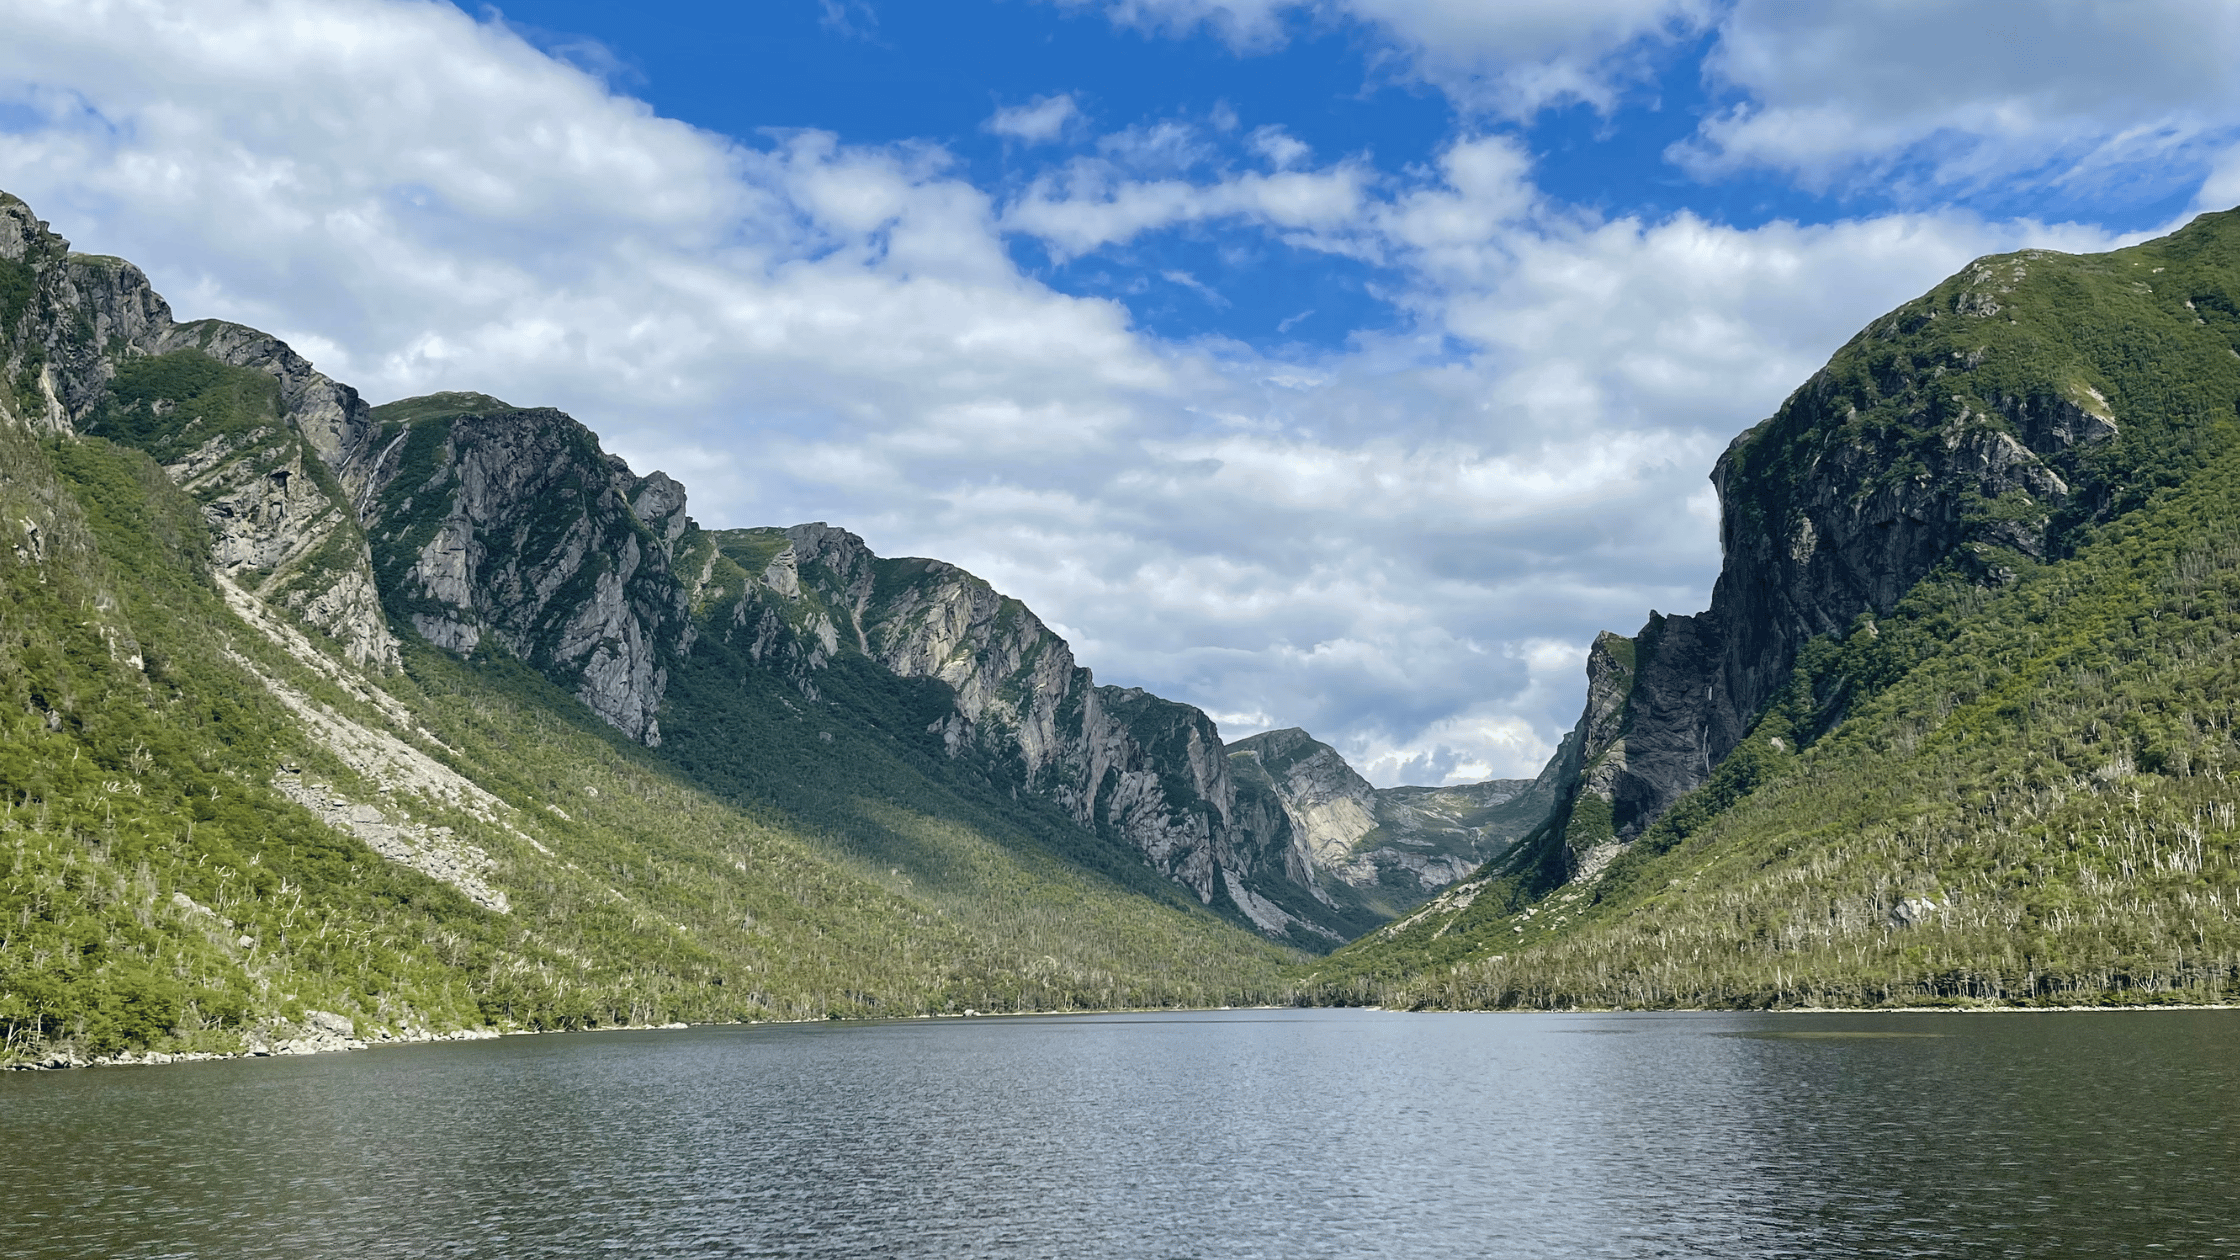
1238, 1134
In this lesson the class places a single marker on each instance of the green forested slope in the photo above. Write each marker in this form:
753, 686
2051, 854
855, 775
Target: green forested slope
2011, 785
160, 892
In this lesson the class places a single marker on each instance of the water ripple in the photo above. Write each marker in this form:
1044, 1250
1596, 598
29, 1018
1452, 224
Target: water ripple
1221, 1136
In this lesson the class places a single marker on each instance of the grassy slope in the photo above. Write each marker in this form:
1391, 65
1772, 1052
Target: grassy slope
2045, 761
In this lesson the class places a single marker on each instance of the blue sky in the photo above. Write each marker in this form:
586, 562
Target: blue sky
1335, 363
901, 74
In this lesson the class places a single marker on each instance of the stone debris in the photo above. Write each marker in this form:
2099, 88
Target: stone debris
436, 852
321, 1032
191, 906
1267, 915
1912, 911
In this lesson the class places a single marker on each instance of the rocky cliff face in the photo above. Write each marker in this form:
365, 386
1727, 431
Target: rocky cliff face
511, 524
1399, 845
236, 418
1330, 807
1953, 435
1143, 771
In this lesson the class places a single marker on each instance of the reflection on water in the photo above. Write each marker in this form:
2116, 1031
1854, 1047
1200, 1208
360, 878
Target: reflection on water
1826, 1034
1235, 1134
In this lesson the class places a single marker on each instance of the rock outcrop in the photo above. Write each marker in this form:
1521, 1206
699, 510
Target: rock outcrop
436, 852
511, 524
1405, 843
482, 526
318, 1032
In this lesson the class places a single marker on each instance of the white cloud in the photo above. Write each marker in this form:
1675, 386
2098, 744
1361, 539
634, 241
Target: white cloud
853, 18
1517, 57
2220, 189
1091, 203
1465, 748
1170, 146
2055, 92
1201, 288
1278, 147
1510, 58
1245, 24
1920, 97
1039, 121
1487, 740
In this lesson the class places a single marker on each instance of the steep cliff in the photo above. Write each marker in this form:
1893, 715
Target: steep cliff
1397, 846
512, 524
1145, 774
236, 804
1975, 431
498, 534
1956, 726
490, 522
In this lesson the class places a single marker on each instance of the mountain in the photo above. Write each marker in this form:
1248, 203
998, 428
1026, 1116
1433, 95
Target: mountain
435, 716
1396, 846
1955, 726
491, 524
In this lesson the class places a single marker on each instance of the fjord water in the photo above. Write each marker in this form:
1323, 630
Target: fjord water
1222, 1134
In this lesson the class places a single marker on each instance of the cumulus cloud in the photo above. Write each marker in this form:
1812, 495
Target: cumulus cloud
2059, 92
1395, 522
1919, 97
1379, 543
1039, 121
1515, 58
1279, 148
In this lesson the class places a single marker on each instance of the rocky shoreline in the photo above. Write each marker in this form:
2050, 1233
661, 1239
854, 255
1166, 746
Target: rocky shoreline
324, 1032
320, 1032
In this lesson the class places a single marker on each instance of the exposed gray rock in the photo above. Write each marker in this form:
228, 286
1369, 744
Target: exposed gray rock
1912, 911
268, 511
337, 425
1144, 771
525, 532
1438, 835
1331, 808
1831, 511
660, 504
319, 1032
1407, 842
436, 852
482, 525
272, 527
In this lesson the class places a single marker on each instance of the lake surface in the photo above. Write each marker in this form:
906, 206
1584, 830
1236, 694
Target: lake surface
1223, 1134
